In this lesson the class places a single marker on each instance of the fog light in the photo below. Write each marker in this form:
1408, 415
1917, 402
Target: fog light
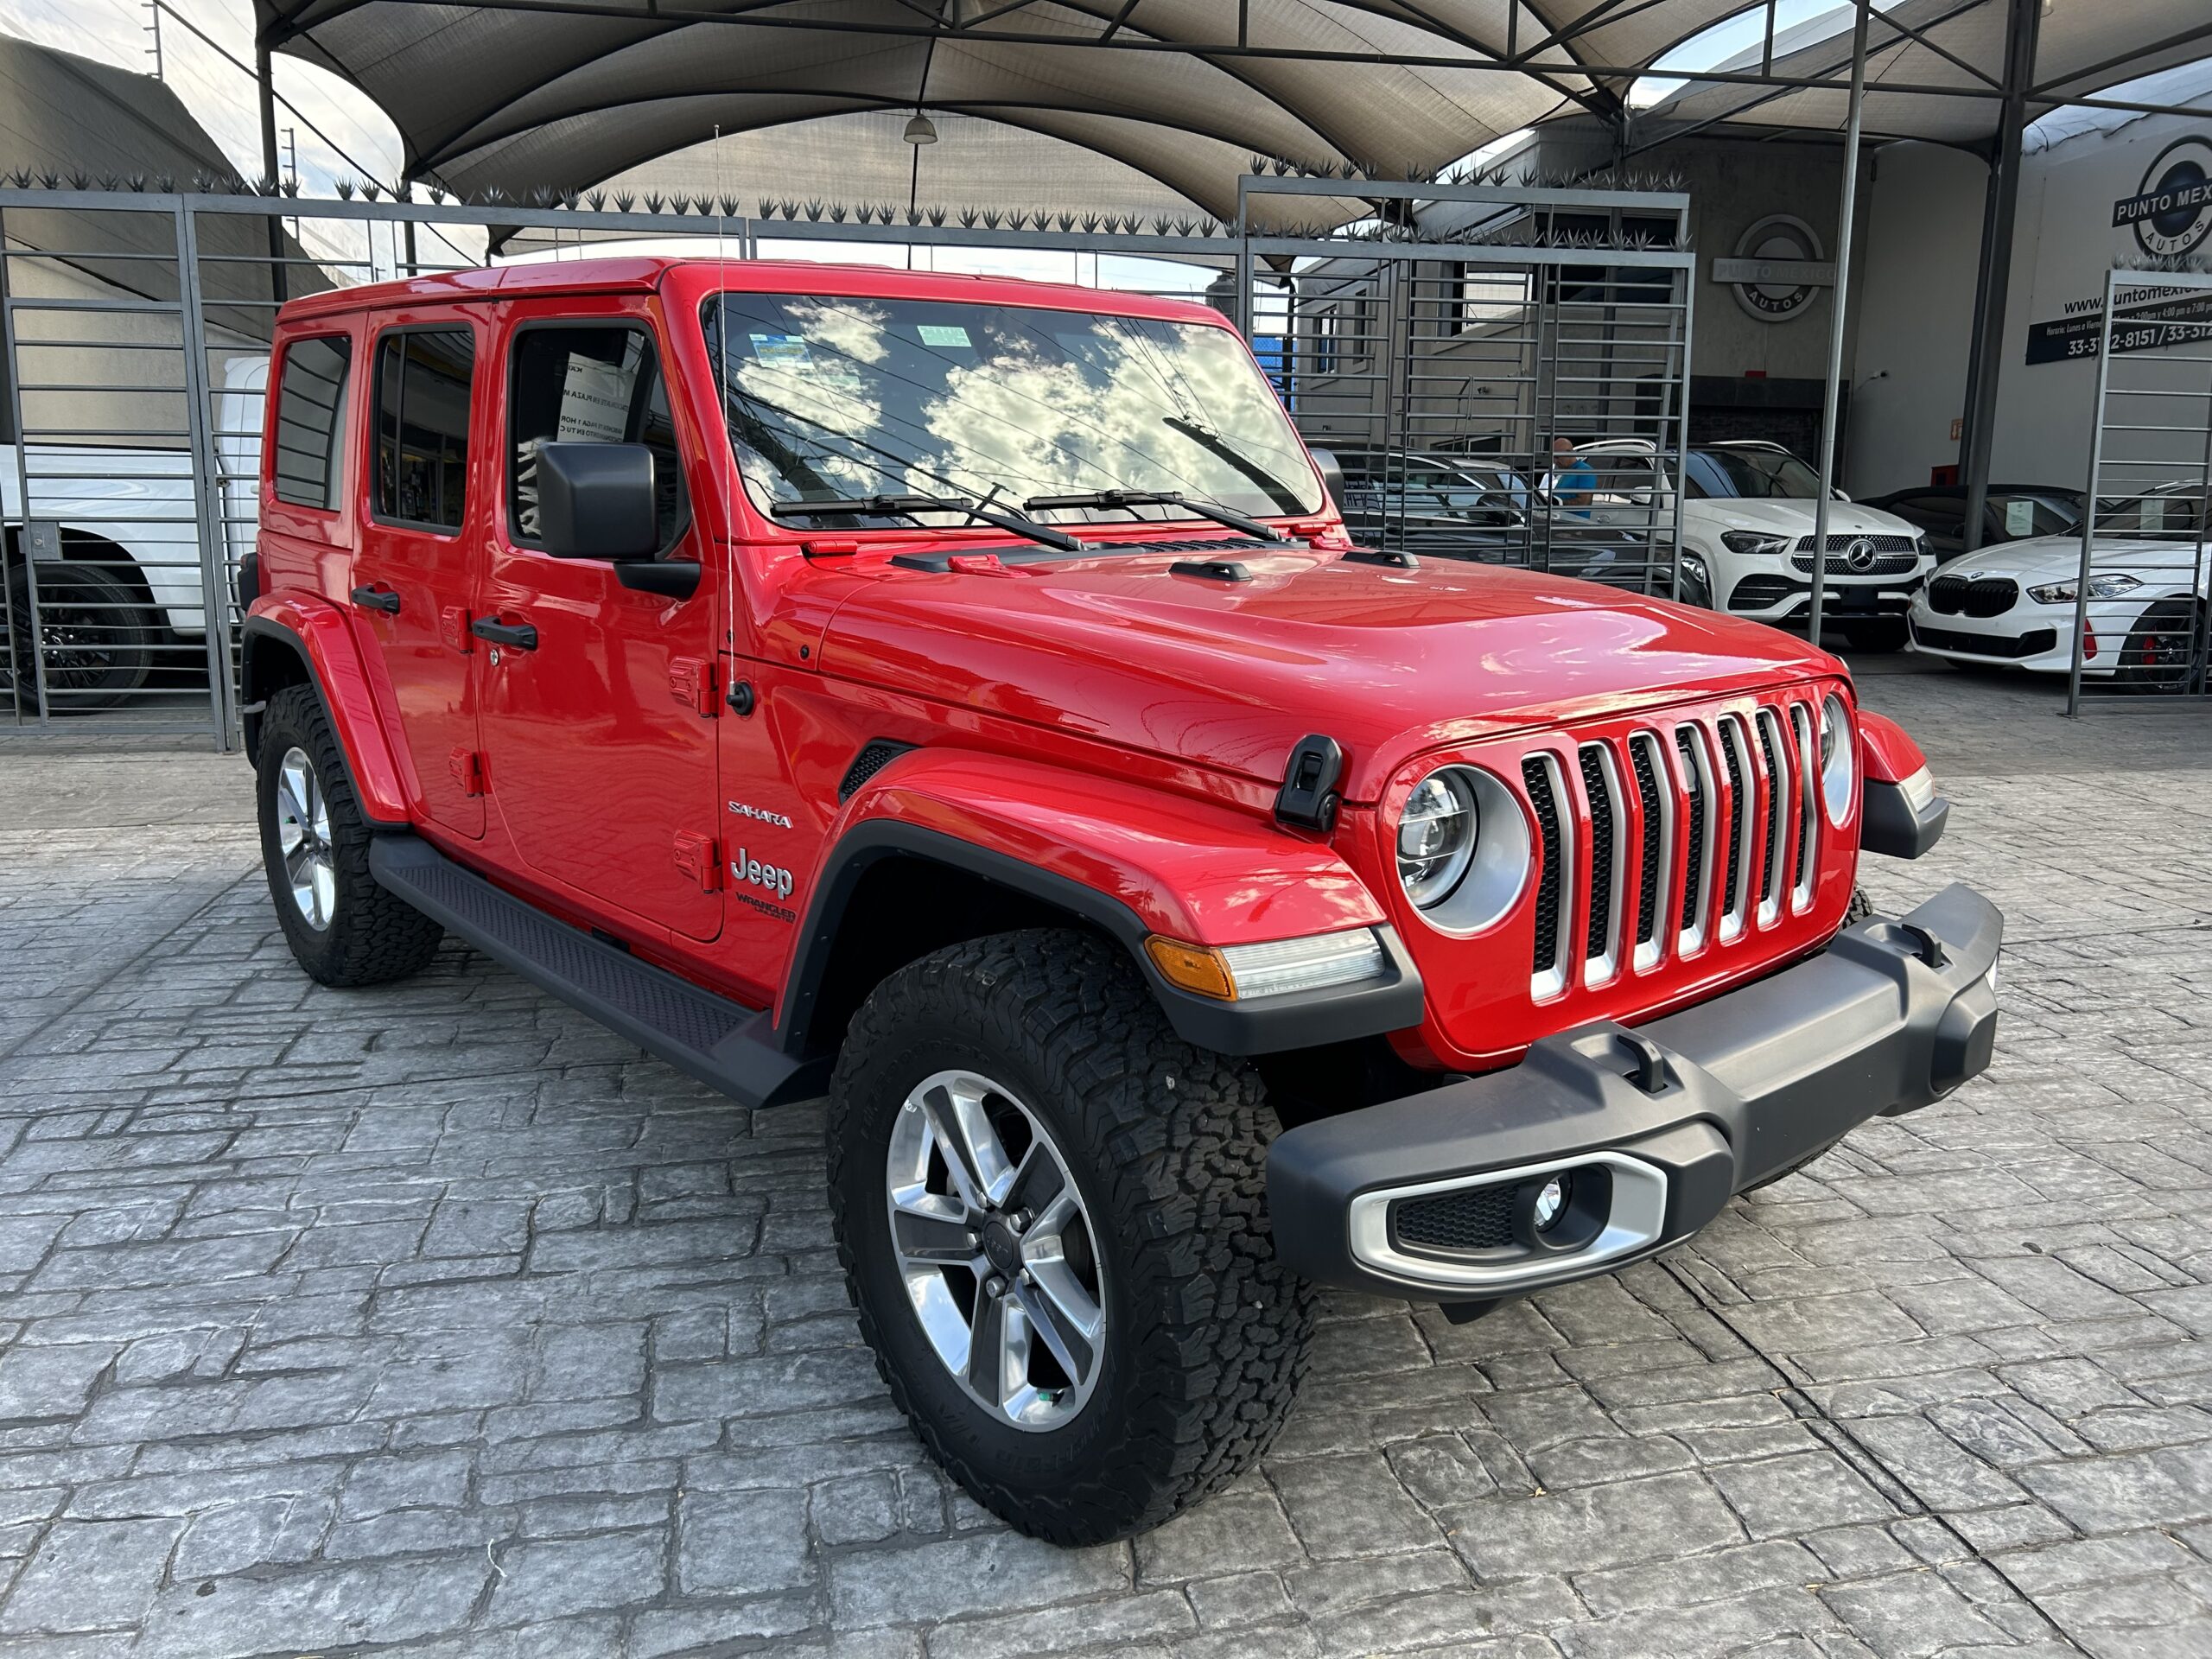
1550, 1202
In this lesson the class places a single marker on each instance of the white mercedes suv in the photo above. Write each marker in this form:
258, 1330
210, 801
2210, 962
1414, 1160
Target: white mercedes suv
1747, 535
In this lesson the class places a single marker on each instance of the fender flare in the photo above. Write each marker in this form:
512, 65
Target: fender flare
316, 634
1036, 829
1902, 816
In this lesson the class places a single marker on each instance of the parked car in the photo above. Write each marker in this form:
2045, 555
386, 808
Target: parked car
116, 565
1747, 536
870, 680
1475, 507
2015, 512
2015, 605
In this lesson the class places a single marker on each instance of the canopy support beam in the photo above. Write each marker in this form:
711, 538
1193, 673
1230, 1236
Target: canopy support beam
264, 80
1831, 398
1994, 281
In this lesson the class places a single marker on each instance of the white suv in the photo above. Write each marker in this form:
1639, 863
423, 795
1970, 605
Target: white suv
1747, 535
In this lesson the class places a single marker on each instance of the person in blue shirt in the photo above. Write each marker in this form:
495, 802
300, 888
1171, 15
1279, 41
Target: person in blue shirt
1574, 481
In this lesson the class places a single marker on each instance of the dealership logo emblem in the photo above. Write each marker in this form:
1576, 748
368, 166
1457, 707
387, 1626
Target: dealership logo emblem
1778, 269
2172, 209
1861, 554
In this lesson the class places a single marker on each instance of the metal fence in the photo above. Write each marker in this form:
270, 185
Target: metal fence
2137, 598
1502, 373
1440, 362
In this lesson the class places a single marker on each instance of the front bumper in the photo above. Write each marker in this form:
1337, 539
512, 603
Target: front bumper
1655, 1128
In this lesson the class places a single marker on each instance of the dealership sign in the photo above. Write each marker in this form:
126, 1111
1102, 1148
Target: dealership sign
1778, 269
2172, 214
2167, 215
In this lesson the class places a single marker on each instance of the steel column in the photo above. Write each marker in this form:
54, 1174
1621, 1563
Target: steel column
2089, 504
206, 481
1838, 298
1992, 282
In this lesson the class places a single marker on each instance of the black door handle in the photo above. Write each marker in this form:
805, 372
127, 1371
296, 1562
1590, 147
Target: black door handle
377, 599
520, 635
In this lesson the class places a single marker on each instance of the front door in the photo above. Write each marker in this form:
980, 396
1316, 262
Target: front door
599, 732
417, 565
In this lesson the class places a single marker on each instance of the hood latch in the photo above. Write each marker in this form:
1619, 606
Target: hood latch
1309, 798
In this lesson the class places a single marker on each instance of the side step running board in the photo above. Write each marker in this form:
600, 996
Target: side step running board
725, 1045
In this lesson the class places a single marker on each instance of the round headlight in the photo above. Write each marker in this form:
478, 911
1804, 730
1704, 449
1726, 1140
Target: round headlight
1436, 838
1837, 759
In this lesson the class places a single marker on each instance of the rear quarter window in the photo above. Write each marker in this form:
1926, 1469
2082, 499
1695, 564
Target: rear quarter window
308, 466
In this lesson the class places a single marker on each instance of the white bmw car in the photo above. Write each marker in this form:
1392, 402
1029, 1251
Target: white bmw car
2014, 606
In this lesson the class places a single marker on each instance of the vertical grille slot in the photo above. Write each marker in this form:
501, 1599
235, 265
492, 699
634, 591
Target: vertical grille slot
1547, 970
1603, 808
1732, 878
1696, 866
1801, 726
1770, 851
1648, 765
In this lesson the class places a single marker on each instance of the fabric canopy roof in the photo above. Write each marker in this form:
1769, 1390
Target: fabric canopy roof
2083, 48
565, 94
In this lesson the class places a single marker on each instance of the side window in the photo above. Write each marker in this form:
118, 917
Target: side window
310, 461
588, 382
423, 379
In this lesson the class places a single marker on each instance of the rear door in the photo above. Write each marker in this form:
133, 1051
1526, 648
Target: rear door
600, 736
422, 541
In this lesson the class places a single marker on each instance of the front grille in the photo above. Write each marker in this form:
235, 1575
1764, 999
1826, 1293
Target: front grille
1984, 596
2031, 644
1862, 555
1550, 879
1705, 829
1475, 1218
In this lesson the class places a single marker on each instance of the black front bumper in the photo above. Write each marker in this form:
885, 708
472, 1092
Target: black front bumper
1664, 1123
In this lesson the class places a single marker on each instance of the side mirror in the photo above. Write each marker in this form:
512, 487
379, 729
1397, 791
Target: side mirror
1333, 475
596, 501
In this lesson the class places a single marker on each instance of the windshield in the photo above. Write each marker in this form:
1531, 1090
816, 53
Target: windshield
1771, 473
830, 399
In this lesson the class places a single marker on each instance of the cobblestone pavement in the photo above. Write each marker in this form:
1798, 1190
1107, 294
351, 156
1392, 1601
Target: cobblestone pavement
434, 1320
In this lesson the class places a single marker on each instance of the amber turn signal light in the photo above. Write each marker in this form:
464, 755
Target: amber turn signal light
1190, 967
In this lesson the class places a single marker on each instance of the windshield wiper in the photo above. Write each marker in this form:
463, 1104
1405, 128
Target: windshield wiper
1271, 487
906, 506
1220, 515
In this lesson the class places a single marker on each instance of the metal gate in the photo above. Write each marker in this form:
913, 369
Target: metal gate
1439, 351
1501, 373
2138, 595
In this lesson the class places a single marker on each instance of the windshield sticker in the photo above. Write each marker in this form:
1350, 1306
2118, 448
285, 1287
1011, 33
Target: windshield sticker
944, 333
782, 350
2019, 517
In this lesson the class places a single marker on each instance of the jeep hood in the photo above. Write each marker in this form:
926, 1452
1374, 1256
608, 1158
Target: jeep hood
1229, 675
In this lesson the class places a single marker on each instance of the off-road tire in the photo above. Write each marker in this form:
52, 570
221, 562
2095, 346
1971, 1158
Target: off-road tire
373, 937
1206, 1333
1860, 908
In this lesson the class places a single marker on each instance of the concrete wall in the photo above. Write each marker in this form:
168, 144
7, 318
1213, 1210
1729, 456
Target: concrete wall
1915, 308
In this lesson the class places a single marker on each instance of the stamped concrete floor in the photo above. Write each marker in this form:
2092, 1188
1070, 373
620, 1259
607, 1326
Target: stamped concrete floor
435, 1321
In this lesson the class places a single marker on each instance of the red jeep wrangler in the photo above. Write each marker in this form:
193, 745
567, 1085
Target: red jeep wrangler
960, 696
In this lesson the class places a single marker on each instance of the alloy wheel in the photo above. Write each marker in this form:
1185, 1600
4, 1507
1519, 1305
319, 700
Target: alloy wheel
303, 837
995, 1250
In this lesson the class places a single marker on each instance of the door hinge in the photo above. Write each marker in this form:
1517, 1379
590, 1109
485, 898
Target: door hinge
453, 628
467, 768
699, 857
691, 681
